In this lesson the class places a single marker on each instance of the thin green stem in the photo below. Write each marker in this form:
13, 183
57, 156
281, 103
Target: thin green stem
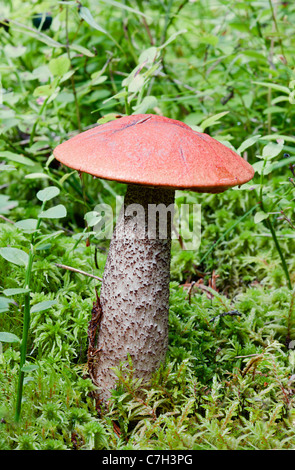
269, 225
276, 242
26, 324
23, 347
37, 120
127, 107
276, 27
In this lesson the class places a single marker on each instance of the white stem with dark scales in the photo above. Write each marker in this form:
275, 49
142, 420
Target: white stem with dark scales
135, 289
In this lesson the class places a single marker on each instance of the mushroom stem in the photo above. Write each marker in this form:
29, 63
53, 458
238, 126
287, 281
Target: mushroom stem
135, 289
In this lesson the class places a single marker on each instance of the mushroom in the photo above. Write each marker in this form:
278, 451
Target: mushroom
155, 156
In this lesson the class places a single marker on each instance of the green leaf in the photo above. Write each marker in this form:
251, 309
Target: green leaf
212, 120
29, 368
46, 304
66, 176
36, 34
149, 102
4, 304
125, 7
50, 236
8, 337
272, 149
59, 66
259, 216
14, 51
273, 110
286, 138
48, 193
97, 78
45, 246
44, 90
86, 15
262, 167
7, 167
14, 255
15, 157
182, 31
208, 39
283, 162
248, 143
15, 291
27, 224
292, 97
136, 84
66, 76
82, 50
33, 176
92, 218
274, 86
149, 56
117, 96
107, 117
56, 212
6, 204
41, 73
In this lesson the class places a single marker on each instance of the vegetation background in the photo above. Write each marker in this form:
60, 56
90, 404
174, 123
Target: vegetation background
226, 68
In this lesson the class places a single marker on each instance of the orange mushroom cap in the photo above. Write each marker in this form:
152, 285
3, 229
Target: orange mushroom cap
154, 150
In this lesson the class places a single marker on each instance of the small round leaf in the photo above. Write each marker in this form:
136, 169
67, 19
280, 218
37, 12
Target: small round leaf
48, 193
56, 212
14, 255
26, 224
8, 337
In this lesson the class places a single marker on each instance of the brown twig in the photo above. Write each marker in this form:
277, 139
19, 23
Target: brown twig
287, 219
69, 268
231, 313
210, 290
6, 220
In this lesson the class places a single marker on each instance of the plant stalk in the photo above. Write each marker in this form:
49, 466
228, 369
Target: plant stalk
277, 245
26, 325
23, 347
272, 231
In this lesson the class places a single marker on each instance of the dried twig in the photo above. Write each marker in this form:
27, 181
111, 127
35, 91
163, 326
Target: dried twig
210, 290
63, 266
6, 220
212, 281
231, 313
